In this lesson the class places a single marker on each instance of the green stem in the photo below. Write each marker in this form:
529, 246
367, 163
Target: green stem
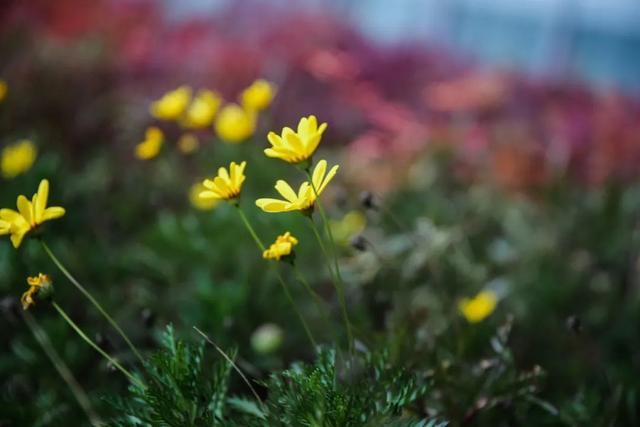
90, 297
233, 364
250, 228
285, 288
320, 303
340, 286
337, 283
63, 370
95, 346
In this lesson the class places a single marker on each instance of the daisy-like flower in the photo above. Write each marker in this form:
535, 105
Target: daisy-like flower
202, 110
296, 147
306, 196
258, 96
150, 147
479, 307
282, 247
172, 105
30, 214
40, 285
227, 185
18, 158
235, 124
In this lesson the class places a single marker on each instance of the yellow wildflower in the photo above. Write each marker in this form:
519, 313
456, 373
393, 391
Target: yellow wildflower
18, 158
203, 204
479, 307
40, 284
150, 147
282, 247
235, 124
202, 110
296, 147
4, 88
30, 214
306, 196
351, 224
227, 185
172, 105
188, 143
258, 96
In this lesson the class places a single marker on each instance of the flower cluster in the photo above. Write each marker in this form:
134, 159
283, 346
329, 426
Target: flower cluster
232, 122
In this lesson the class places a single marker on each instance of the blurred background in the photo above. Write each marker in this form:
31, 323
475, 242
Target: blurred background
501, 140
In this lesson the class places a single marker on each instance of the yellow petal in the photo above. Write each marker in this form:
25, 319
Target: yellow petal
286, 191
328, 178
52, 213
18, 235
318, 174
41, 200
24, 207
273, 205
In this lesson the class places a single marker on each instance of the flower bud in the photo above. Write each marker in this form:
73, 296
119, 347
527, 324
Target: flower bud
267, 338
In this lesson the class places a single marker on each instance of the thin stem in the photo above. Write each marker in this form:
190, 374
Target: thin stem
280, 279
316, 298
320, 303
90, 297
285, 288
231, 362
250, 228
95, 346
338, 285
64, 371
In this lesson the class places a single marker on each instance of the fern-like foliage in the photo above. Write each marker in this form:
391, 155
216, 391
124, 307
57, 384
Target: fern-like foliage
178, 392
335, 391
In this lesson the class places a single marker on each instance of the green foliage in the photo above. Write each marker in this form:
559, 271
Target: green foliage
345, 391
360, 390
179, 390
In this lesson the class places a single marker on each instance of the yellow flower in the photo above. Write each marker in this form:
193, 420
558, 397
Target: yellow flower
202, 110
4, 88
235, 124
203, 204
306, 196
40, 284
227, 185
351, 224
296, 147
479, 307
282, 247
18, 158
150, 147
188, 143
258, 96
172, 105
30, 214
